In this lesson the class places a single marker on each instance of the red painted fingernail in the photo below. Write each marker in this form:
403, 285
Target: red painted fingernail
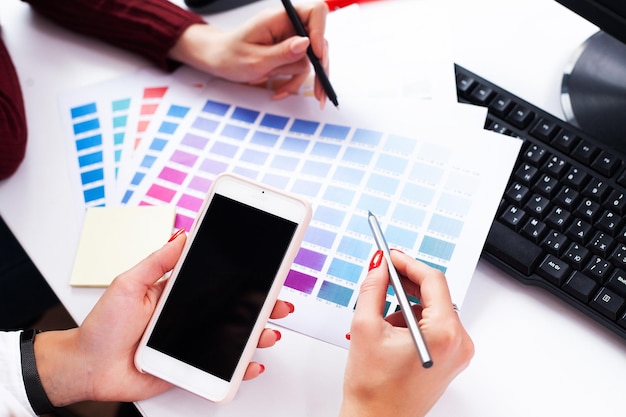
376, 260
348, 335
278, 335
178, 233
292, 308
261, 368
398, 250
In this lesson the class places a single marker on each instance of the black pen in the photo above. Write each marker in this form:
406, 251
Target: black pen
317, 65
403, 300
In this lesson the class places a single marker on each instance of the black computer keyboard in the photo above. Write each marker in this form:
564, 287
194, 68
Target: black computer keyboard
560, 223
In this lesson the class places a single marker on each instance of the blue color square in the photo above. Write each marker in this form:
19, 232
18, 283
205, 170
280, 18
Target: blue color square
329, 215
127, 195
354, 247
274, 122
86, 126
215, 107
118, 138
244, 115
409, 214
89, 142
168, 127
418, 193
319, 237
374, 204
93, 194
90, 159
445, 225
399, 236
335, 293
122, 104
92, 176
137, 178
339, 195
276, 181
400, 144
358, 156
254, 157
392, 164
306, 127
437, 248
317, 169
158, 144
367, 137
308, 188
425, 173
454, 204
83, 110
294, 145
383, 183
235, 132
177, 111
326, 150
348, 175
359, 224
285, 163
264, 139
204, 124
148, 160
335, 131
119, 121
345, 270
224, 149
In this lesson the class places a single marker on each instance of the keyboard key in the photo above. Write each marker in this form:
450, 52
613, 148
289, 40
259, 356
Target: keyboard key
601, 244
618, 257
526, 174
588, 210
554, 270
565, 141
535, 155
598, 269
545, 130
517, 194
464, 84
556, 167
616, 202
576, 178
501, 105
580, 286
547, 185
513, 217
579, 231
598, 190
513, 249
576, 255
585, 152
608, 303
534, 230
567, 198
481, 95
610, 223
617, 282
606, 164
537, 206
520, 116
555, 243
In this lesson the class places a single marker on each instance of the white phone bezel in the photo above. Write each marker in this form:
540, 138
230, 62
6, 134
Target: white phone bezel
188, 377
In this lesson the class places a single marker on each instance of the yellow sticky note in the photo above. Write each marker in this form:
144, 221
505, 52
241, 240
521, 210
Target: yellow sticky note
114, 239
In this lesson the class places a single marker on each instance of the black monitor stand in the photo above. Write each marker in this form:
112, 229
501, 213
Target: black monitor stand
593, 92
214, 6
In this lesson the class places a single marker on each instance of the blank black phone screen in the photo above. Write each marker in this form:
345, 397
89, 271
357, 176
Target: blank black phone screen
222, 285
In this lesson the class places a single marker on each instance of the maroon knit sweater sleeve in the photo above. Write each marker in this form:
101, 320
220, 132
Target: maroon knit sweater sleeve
147, 27
12, 118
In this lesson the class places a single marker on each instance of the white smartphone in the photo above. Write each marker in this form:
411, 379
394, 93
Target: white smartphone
222, 290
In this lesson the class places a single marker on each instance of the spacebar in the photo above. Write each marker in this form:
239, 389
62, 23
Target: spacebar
512, 248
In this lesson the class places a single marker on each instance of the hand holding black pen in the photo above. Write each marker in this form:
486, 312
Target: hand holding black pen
320, 72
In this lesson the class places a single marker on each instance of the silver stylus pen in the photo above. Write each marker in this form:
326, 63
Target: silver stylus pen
403, 300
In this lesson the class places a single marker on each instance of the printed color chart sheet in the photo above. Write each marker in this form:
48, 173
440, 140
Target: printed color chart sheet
433, 186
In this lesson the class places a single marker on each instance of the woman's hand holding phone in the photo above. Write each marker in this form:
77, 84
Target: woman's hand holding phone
95, 361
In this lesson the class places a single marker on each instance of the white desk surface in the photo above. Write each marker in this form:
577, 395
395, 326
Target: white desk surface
535, 356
